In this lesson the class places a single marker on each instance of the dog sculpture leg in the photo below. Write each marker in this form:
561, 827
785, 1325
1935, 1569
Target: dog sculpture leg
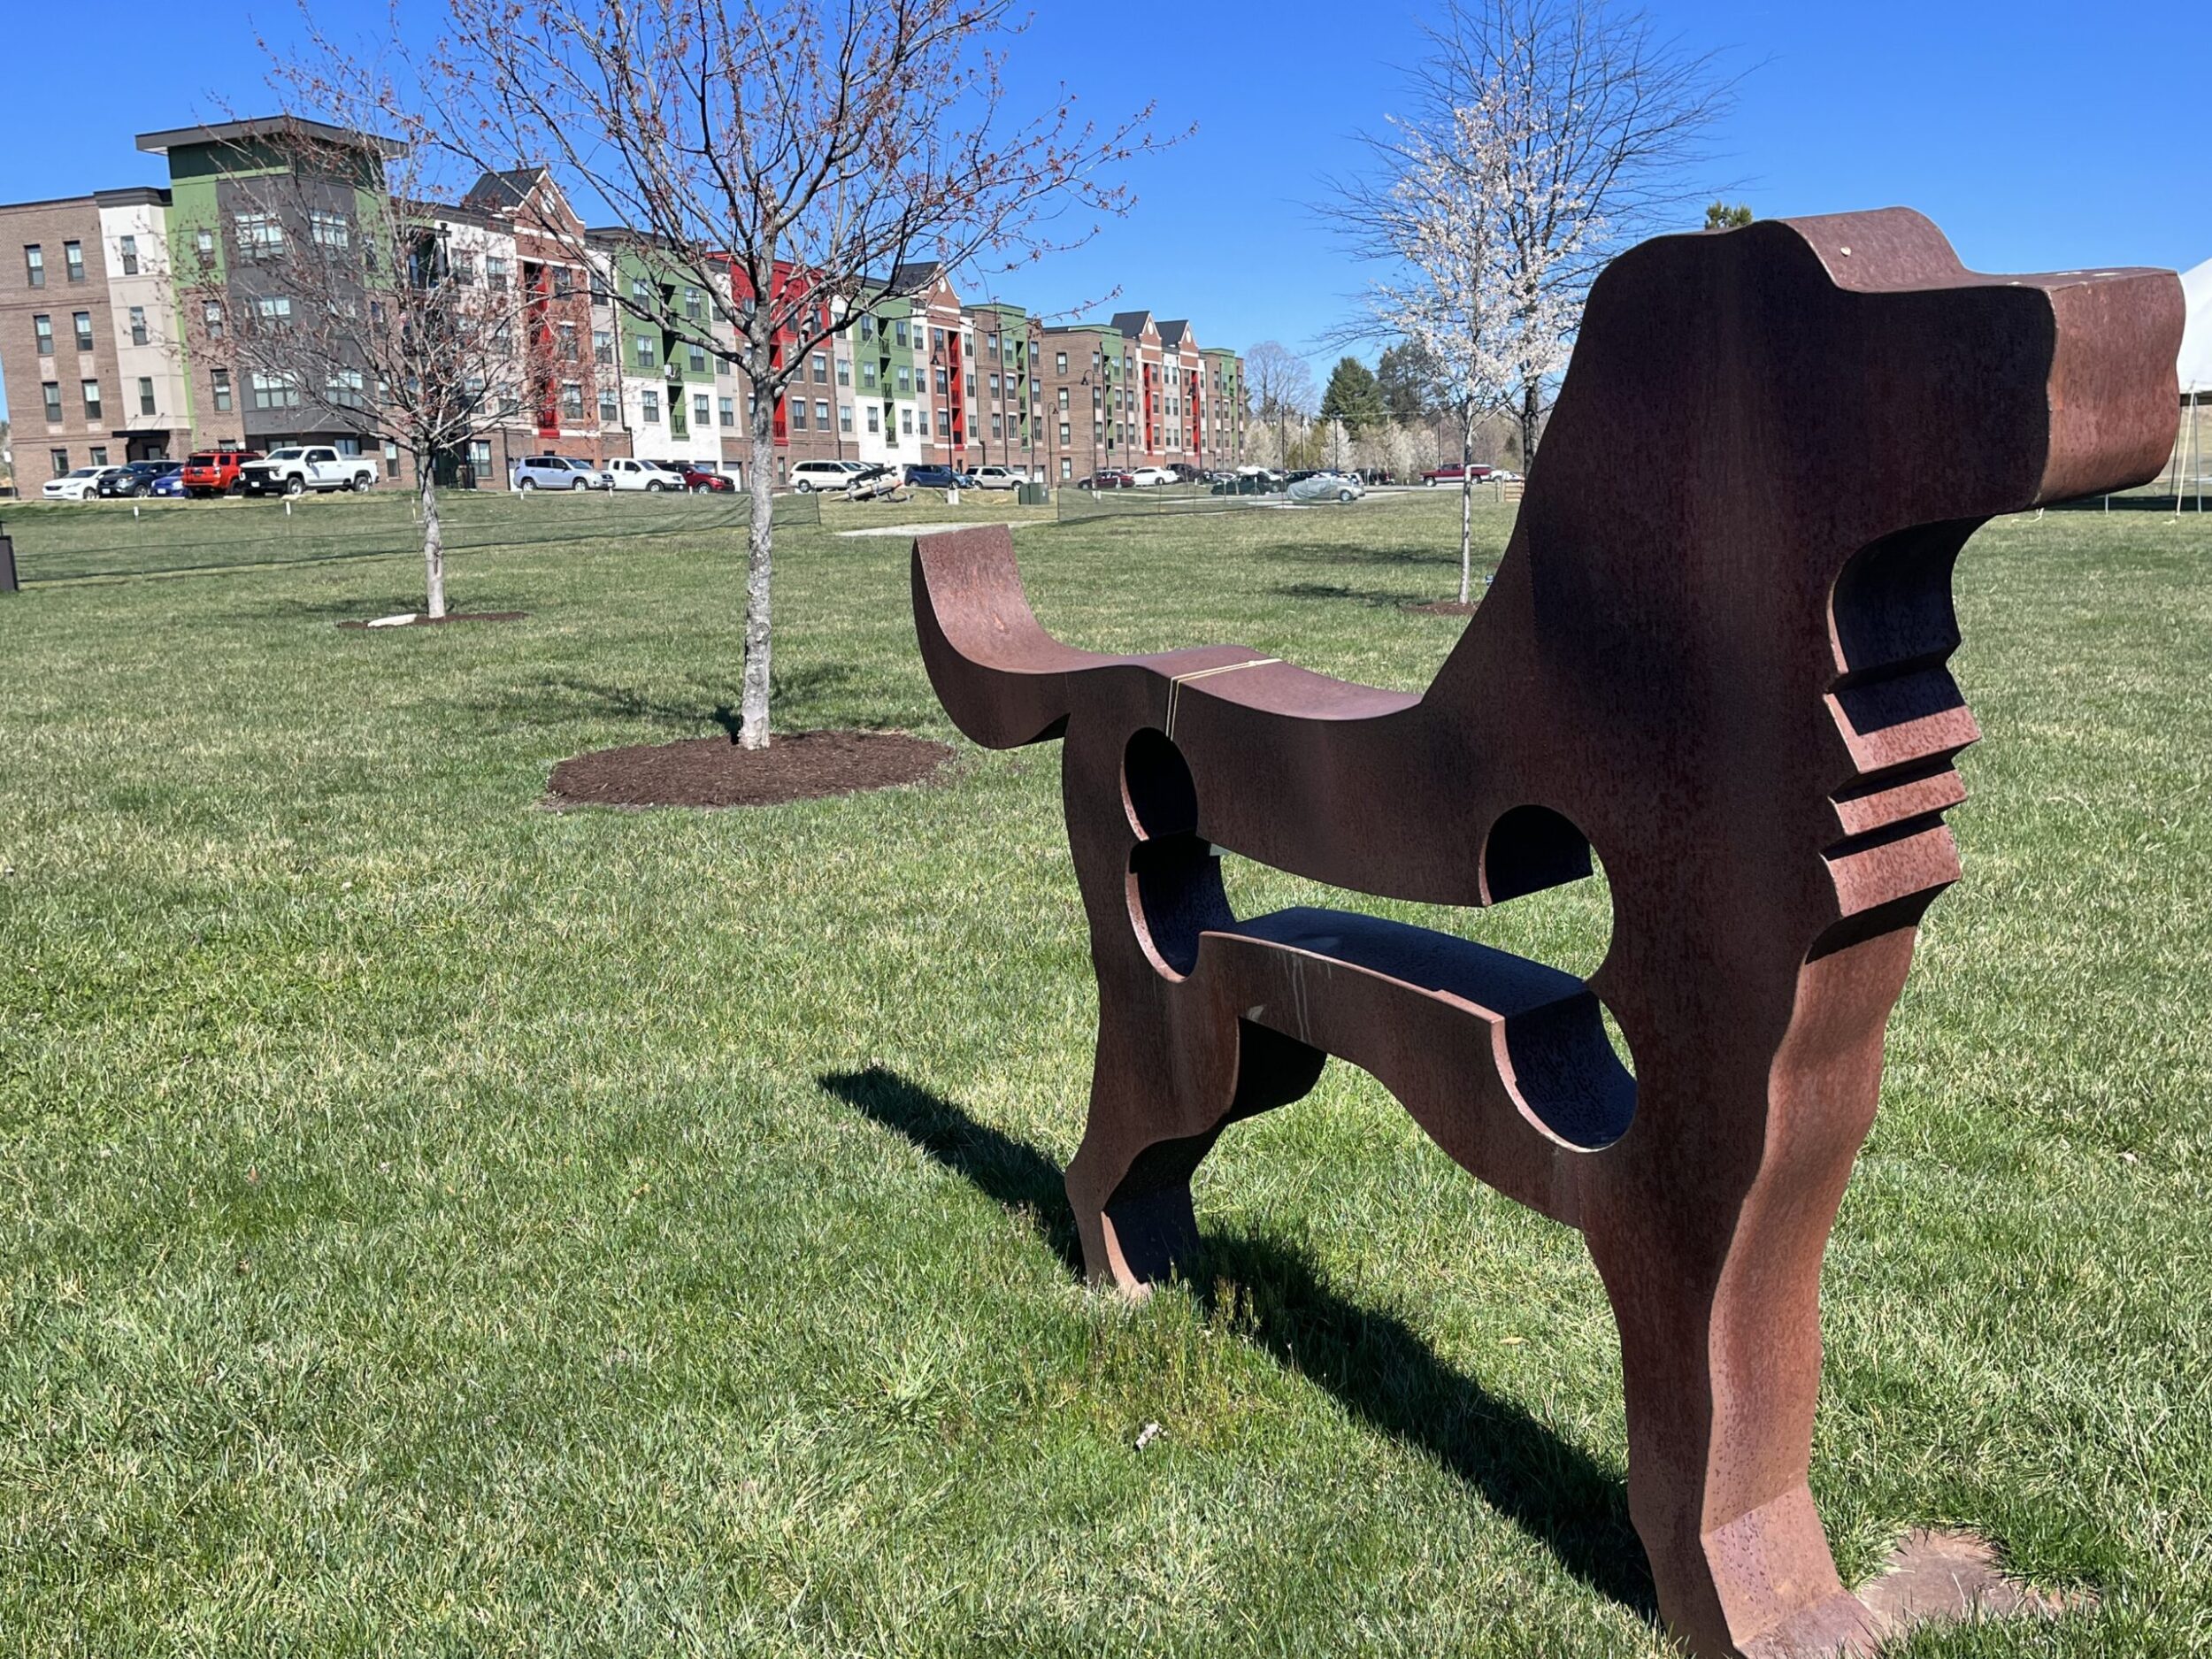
1710, 1250
1174, 1063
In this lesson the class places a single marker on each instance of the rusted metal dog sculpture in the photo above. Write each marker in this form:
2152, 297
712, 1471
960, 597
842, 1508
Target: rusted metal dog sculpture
1715, 652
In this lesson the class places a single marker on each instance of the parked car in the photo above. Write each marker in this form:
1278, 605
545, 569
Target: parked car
1108, 479
877, 483
1327, 487
812, 475
299, 467
1146, 477
1500, 475
82, 485
132, 478
627, 473
169, 485
215, 471
558, 471
931, 475
1450, 473
997, 477
696, 478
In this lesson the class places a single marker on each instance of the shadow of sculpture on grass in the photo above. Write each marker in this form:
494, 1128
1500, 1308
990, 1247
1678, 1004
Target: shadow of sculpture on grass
1372, 1361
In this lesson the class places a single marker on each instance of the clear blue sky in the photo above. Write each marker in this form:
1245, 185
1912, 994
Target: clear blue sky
2040, 135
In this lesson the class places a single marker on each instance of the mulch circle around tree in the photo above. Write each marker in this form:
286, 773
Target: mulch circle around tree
714, 771
1443, 608
450, 616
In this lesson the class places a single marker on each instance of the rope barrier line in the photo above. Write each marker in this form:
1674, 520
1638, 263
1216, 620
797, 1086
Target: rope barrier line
1175, 683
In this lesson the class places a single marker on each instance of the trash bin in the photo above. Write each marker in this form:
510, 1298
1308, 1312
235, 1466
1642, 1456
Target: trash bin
1034, 495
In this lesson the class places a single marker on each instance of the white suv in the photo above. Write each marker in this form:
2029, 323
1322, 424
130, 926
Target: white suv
627, 473
811, 475
999, 477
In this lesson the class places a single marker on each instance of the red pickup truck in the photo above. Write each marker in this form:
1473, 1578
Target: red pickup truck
1450, 472
215, 471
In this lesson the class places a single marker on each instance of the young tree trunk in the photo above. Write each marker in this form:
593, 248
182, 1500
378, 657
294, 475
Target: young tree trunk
1466, 505
433, 538
1531, 406
760, 547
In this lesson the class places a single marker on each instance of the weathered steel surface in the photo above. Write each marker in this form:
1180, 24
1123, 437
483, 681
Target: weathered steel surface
1715, 652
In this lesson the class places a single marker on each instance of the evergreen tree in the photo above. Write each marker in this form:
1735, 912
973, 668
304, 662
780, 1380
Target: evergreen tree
1352, 397
1407, 380
1720, 215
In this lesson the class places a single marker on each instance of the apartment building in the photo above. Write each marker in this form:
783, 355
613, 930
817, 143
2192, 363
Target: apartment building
88, 335
125, 310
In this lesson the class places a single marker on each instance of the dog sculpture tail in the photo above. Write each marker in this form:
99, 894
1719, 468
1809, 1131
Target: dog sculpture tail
1000, 675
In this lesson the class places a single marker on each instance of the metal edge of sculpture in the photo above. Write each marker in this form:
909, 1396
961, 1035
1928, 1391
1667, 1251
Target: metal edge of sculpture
1715, 652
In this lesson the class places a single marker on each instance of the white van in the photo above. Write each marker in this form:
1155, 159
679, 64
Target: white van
812, 475
629, 474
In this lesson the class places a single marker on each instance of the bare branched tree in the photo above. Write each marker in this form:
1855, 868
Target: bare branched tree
354, 298
790, 158
1281, 385
1615, 122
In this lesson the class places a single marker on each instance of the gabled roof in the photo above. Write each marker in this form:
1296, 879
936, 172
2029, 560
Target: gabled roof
1172, 334
1131, 323
914, 276
504, 192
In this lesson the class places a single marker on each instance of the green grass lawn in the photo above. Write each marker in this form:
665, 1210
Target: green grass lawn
441, 1225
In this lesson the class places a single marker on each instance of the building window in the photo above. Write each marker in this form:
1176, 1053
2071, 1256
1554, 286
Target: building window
272, 310
937, 339
601, 293
34, 265
128, 247
944, 424
97, 455
1064, 433
1067, 467
821, 415
495, 273
259, 236
391, 460
906, 381
203, 245
906, 418
83, 320
698, 358
274, 391
329, 230
138, 325
59, 458
996, 431
42, 330
638, 296
344, 390
695, 304
52, 390
573, 401
798, 414
145, 395
72, 257
701, 414
845, 419
480, 456
941, 387
221, 380
868, 375
1060, 362
649, 406
728, 407
648, 353
91, 390
602, 346
564, 282
844, 371
462, 265
609, 407
898, 331
211, 315
873, 425
569, 350
821, 369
